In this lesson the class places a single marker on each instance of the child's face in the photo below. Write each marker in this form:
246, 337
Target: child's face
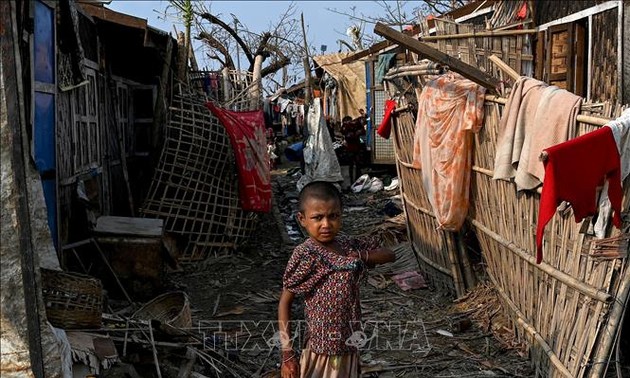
321, 219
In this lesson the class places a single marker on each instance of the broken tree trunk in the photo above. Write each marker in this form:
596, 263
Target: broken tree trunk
256, 88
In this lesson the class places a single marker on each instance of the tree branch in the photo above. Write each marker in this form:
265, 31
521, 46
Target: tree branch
226, 27
275, 66
212, 42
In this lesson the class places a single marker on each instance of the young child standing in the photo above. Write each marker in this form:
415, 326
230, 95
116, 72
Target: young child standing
326, 270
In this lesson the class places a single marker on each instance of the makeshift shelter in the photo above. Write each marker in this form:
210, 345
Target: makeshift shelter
85, 100
569, 308
349, 94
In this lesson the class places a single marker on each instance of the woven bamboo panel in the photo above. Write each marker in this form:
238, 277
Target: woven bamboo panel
604, 55
516, 51
430, 245
559, 52
195, 186
562, 321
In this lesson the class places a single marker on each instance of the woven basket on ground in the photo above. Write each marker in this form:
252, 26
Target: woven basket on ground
172, 309
73, 301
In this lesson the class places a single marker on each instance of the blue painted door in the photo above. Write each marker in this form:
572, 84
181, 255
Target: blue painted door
44, 104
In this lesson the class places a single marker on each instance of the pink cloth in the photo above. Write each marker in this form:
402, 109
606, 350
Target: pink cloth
247, 135
450, 109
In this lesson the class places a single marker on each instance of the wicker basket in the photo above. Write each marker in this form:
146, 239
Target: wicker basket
172, 309
73, 301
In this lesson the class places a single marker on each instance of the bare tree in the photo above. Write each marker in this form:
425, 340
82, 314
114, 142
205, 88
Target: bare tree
397, 14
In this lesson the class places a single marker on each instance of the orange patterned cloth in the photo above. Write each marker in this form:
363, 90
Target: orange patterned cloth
450, 107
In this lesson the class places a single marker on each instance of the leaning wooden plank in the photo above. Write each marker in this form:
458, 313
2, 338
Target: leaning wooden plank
427, 51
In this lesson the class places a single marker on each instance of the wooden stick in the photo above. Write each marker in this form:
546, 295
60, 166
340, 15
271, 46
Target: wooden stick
504, 67
505, 33
555, 273
155, 357
112, 271
520, 319
597, 121
307, 67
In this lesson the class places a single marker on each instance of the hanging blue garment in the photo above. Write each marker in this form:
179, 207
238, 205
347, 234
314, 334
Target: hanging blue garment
385, 62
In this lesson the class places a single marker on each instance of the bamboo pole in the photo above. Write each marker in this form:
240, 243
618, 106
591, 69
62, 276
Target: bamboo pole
504, 67
505, 33
520, 319
307, 67
611, 329
451, 245
555, 273
597, 121
470, 280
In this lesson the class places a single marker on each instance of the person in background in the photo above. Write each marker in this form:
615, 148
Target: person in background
352, 131
326, 269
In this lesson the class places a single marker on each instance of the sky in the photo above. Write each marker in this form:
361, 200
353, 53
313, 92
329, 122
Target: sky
323, 26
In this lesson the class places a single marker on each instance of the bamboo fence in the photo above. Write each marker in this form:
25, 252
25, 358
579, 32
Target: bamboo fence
568, 309
195, 186
559, 307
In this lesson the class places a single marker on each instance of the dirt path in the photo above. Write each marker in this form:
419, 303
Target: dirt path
417, 333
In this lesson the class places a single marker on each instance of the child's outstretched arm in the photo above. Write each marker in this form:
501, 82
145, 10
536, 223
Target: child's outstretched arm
290, 367
378, 256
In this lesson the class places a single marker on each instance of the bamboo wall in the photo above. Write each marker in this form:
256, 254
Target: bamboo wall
605, 77
560, 306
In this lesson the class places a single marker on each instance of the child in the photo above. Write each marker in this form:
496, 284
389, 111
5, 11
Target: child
326, 270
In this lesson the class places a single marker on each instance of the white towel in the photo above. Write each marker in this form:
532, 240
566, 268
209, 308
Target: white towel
621, 131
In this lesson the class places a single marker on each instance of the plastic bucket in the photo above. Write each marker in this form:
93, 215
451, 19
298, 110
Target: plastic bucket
295, 152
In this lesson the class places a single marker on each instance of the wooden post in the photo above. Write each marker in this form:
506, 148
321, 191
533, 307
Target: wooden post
15, 124
307, 68
160, 101
424, 50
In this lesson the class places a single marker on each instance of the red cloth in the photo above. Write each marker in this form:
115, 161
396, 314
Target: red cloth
385, 128
247, 135
573, 171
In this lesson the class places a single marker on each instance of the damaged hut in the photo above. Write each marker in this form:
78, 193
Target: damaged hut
113, 166
523, 78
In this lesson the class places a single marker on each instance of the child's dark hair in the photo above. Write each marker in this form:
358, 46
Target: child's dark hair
321, 190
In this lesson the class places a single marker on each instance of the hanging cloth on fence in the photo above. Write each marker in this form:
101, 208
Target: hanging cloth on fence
385, 128
536, 116
573, 171
450, 107
247, 135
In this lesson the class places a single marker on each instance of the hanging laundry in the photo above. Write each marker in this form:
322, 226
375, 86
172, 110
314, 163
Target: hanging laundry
516, 122
385, 128
536, 116
385, 61
450, 108
247, 135
319, 154
573, 171
621, 132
